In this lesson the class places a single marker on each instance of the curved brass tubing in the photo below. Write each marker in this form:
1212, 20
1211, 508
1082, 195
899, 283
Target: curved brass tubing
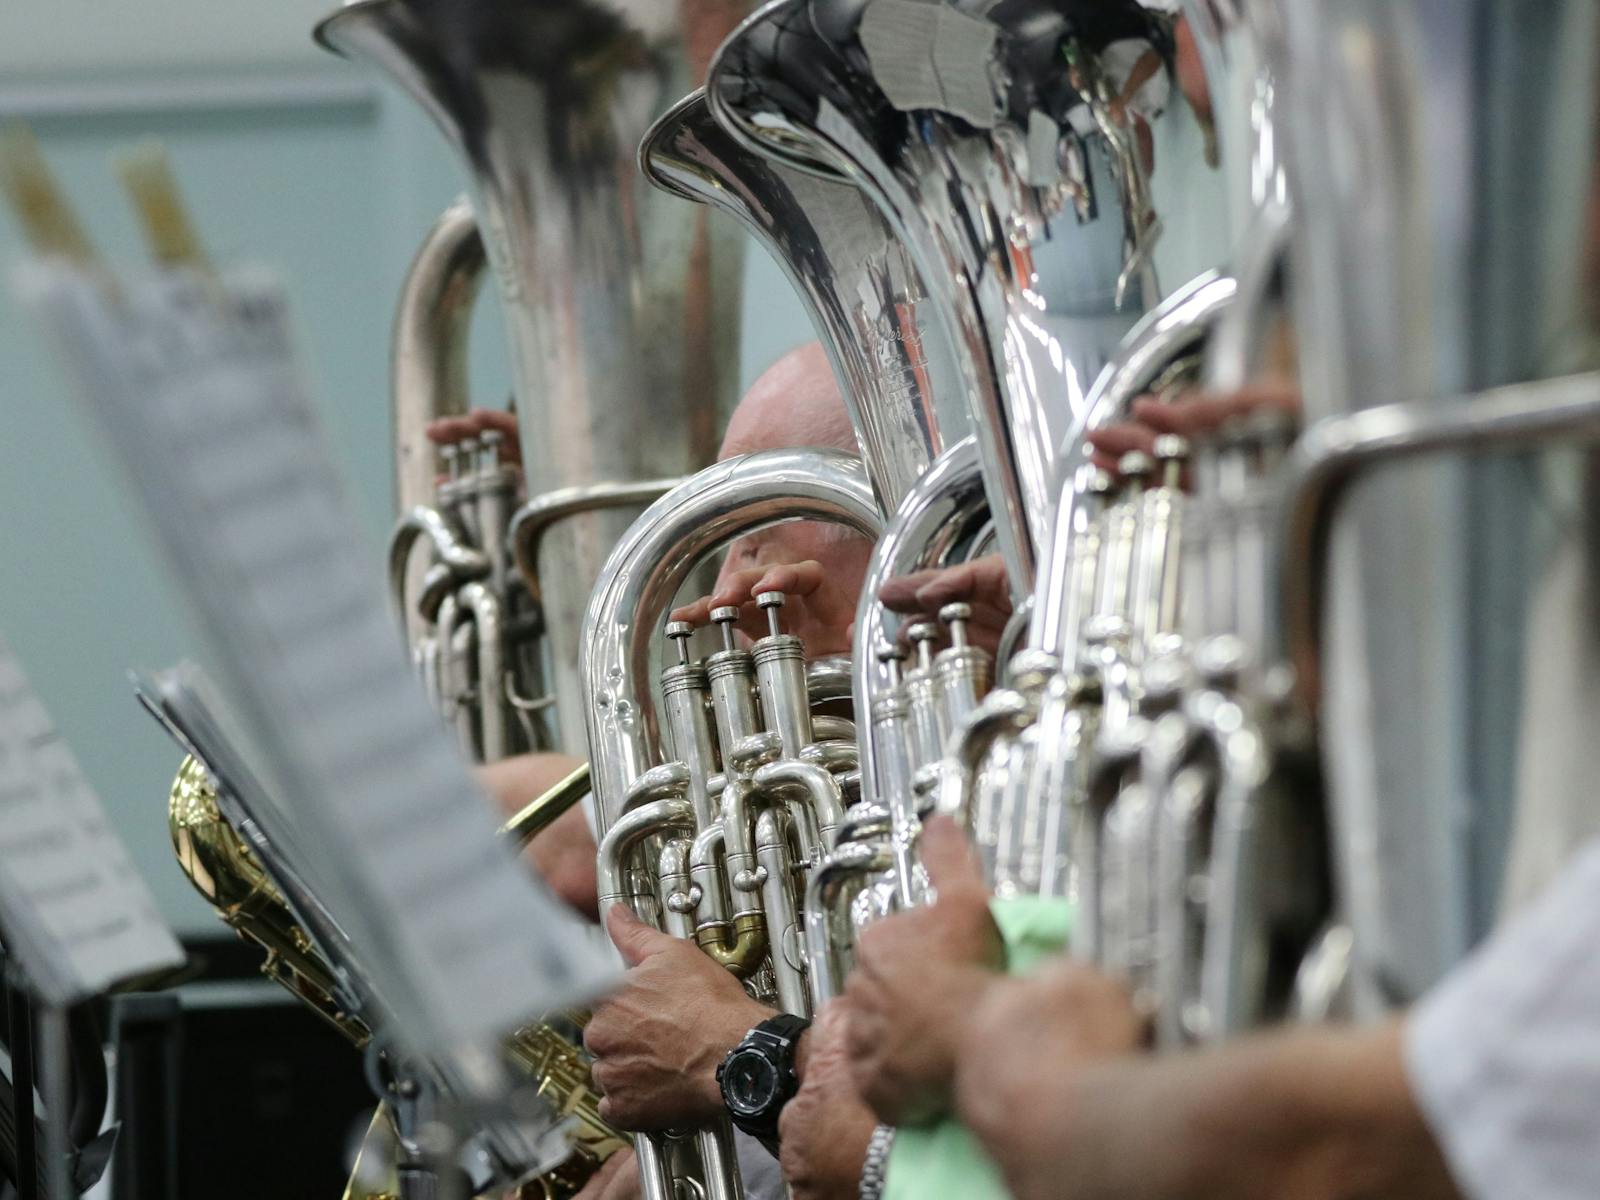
741, 947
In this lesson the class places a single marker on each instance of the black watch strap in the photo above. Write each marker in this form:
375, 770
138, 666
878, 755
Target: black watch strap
785, 1027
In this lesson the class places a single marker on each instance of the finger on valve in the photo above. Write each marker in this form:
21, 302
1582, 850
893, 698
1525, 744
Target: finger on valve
981, 584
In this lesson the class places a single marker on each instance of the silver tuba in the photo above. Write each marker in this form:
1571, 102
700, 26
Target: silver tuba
1359, 753
721, 796
1438, 555
620, 303
864, 296
899, 379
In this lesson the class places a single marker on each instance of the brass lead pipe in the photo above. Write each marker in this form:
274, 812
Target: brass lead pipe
541, 812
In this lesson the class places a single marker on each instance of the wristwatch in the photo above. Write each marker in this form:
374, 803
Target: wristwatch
758, 1077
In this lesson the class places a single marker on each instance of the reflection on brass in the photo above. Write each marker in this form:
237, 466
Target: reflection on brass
231, 878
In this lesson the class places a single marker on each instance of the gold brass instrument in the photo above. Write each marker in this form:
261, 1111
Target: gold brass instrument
230, 877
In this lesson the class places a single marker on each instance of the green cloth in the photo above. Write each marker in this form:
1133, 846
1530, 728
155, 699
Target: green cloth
945, 1160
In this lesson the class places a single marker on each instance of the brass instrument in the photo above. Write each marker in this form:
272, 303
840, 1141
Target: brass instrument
1445, 473
621, 312
1312, 782
229, 875
1031, 226
715, 800
1120, 765
974, 187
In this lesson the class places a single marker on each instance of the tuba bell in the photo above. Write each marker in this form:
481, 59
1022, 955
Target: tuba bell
621, 311
973, 182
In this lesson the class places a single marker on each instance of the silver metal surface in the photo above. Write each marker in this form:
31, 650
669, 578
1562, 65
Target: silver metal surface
982, 203
653, 560
1442, 167
1178, 326
620, 302
430, 343
934, 526
863, 295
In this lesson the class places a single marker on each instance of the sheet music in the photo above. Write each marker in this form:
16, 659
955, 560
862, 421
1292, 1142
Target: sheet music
206, 410
187, 706
73, 910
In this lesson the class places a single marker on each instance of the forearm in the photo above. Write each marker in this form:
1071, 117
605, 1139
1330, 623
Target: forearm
1315, 1114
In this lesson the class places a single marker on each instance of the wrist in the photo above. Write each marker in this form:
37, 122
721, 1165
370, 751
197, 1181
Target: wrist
728, 1029
760, 1076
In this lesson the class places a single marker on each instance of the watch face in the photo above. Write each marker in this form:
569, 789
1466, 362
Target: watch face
749, 1083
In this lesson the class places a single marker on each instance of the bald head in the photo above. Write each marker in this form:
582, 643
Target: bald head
795, 402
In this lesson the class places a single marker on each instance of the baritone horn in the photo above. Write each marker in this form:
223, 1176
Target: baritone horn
714, 801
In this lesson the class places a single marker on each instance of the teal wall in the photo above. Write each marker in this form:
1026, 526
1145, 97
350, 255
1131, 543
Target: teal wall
298, 163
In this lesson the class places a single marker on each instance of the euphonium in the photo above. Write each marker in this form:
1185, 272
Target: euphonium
231, 878
620, 306
716, 854
1029, 212
471, 622
894, 368
1139, 784
1357, 761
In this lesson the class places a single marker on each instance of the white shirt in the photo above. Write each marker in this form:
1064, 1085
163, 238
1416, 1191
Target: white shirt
1504, 1055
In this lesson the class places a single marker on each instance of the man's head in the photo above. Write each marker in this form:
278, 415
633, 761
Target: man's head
796, 403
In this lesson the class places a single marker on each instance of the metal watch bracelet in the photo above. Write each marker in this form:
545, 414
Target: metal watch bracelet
875, 1170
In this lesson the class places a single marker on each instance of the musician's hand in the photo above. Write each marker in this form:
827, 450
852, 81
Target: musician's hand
1193, 416
823, 1132
617, 1179
1198, 413
918, 975
981, 583
658, 1039
1014, 1079
1111, 443
447, 431
815, 608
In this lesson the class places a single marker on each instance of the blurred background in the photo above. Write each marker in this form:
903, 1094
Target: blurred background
288, 156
